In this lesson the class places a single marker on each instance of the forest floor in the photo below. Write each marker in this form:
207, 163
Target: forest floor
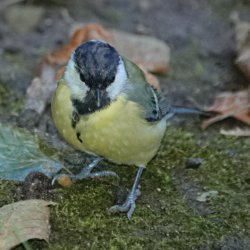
181, 207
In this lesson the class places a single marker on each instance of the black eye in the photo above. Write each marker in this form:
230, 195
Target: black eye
82, 77
111, 79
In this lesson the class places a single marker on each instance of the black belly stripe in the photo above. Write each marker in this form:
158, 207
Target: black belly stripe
89, 104
75, 119
78, 134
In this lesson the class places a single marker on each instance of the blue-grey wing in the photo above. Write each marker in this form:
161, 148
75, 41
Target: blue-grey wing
155, 105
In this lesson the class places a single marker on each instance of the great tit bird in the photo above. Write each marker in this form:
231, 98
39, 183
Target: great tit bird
104, 106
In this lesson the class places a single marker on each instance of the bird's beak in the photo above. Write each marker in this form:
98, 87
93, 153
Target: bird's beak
98, 97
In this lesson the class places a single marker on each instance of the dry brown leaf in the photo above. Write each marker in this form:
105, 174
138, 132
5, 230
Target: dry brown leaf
23, 220
242, 37
230, 104
236, 104
80, 35
236, 132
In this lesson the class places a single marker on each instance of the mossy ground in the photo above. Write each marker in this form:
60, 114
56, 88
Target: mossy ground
168, 214
164, 218
9, 101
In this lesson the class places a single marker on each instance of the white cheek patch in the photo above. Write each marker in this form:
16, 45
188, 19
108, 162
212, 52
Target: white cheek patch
116, 87
71, 76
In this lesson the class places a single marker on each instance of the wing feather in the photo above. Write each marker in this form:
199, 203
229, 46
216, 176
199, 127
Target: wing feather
154, 104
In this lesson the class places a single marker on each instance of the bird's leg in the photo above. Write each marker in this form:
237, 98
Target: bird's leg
86, 172
129, 205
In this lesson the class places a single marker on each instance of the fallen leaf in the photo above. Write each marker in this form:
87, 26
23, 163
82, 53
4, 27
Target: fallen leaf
80, 35
242, 37
236, 132
22, 221
230, 104
21, 154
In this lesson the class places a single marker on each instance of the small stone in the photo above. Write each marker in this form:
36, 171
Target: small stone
193, 162
205, 196
65, 181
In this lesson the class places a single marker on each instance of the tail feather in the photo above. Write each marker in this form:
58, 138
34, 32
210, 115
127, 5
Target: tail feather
185, 110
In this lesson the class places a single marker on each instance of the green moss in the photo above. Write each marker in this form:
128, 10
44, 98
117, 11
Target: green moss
7, 190
166, 216
163, 218
9, 101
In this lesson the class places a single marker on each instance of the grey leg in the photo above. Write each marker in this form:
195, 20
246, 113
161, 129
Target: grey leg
86, 172
129, 205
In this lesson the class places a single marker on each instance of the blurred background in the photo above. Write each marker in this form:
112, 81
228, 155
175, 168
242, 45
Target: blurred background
199, 33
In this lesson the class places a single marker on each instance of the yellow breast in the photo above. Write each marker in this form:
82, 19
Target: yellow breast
118, 133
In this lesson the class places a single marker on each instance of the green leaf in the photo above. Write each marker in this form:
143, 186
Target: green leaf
22, 221
20, 154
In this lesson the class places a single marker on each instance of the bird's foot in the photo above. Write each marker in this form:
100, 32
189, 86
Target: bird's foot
128, 206
86, 172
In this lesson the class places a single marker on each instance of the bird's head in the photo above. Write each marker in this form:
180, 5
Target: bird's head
95, 74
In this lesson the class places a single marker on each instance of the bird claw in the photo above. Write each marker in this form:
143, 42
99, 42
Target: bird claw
86, 173
128, 206
81, 176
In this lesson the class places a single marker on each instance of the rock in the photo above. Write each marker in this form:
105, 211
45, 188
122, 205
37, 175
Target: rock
148, 51
193, 162
25, 18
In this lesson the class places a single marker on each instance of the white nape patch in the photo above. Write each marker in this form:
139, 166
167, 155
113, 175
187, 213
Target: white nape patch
156, 101
73, 81
116, 87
